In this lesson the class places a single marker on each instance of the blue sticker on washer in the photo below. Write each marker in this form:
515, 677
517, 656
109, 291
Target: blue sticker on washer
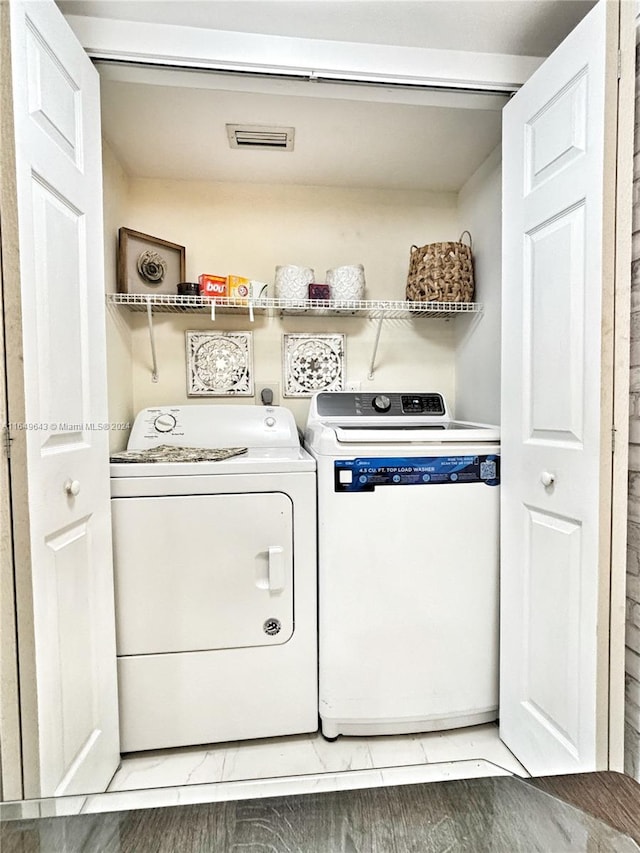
364, 474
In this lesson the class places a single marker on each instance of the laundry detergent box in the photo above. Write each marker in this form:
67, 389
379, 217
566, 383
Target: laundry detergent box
213, 286
239, 288
245, 289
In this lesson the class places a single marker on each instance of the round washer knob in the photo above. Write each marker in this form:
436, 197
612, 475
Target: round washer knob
164, 423
270, 421
381, 403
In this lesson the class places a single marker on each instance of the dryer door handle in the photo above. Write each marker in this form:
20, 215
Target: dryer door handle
276, 568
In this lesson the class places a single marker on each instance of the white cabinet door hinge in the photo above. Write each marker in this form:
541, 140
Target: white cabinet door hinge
613, 439
619, 64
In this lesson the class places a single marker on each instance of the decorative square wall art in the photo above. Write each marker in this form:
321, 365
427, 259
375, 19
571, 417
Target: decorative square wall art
312, 363
219, 364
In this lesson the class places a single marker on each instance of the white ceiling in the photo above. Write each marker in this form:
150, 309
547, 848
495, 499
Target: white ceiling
179, 133
169, 124
520, 27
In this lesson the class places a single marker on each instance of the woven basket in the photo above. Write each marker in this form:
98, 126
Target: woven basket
441, 272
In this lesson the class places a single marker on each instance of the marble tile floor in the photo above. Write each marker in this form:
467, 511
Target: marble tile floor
286, 766
215, 792
304, 755
489, 815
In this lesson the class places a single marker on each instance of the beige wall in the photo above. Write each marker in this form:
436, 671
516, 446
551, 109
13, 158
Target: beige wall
119, 343
249, 229
479, 337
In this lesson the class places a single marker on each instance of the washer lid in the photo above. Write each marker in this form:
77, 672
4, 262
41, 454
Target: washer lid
257, 460
414, 433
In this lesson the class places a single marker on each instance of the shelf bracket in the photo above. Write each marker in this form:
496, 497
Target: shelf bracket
375, 349
152, 341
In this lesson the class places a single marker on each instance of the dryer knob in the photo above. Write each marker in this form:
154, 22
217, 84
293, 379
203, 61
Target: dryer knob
381, 403
164, 423
270, 422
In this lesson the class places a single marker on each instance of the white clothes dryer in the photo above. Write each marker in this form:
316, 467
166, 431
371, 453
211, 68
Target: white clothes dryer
215, 578
408, 538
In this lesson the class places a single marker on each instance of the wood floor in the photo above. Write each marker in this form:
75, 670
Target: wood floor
611, 797
496, 815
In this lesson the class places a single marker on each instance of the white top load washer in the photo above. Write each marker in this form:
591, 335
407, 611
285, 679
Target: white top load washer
215, 577
408, 515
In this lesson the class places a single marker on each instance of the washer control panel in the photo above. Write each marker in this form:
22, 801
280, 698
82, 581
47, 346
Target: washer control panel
381, 403
427, 404
349, 404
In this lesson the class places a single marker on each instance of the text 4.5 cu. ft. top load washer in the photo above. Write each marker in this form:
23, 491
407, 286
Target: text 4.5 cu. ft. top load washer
215, 575
408, 515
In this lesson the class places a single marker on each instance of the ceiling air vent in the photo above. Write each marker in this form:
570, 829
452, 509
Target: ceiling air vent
260, 136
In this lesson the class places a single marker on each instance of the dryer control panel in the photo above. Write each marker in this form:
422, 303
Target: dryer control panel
210, 425
158, 422
390, 404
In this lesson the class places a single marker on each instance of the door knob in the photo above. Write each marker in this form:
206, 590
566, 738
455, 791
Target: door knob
72, 487
547, 479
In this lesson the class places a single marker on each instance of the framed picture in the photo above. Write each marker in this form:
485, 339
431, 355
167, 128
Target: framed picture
148, 264
312, 363
219, 364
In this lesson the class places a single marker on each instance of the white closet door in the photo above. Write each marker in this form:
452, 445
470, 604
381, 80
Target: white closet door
557, 410
67, 654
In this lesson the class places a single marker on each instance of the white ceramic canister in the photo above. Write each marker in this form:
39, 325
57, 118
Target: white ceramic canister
292, 282
346, 282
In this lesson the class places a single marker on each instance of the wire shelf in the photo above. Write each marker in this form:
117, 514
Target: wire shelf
372, 308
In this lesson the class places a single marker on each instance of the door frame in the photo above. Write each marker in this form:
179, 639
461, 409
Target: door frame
506, 73
11, 409
621, 111
210, 50
172, 45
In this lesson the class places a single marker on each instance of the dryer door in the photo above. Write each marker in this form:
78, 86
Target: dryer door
202, 572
